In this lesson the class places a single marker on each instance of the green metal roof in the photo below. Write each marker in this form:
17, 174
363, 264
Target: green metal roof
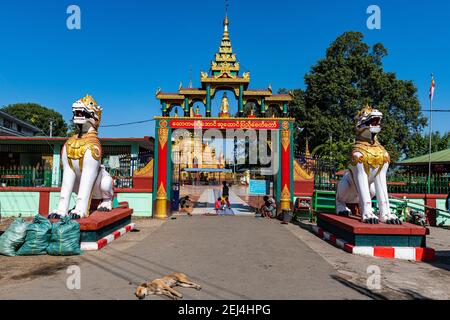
440, 157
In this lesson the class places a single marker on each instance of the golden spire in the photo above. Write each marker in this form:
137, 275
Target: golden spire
307, 153
225, 25
225, 64
225, 21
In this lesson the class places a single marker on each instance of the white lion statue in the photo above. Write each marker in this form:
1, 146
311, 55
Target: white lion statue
81, 158
366, 176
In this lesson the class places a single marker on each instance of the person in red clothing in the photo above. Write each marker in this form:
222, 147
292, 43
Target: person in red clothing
217, 205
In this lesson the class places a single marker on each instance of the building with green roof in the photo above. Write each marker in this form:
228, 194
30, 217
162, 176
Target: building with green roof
437, 158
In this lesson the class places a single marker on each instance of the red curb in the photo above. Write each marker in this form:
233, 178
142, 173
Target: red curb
421, 254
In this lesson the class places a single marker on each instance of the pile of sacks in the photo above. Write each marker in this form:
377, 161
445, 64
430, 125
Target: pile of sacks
41, 237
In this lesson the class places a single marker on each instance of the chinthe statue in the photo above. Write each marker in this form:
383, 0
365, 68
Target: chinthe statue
81, 158
366, 176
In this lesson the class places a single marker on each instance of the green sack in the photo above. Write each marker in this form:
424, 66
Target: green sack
65, 240
38, 237
13, 238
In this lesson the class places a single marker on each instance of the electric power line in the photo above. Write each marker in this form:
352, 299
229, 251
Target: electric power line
442, 110
126, 123
150, 120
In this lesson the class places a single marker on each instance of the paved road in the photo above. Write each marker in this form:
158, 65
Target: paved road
206, 201
231, 257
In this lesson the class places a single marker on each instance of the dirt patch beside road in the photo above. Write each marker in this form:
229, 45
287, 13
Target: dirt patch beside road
24, 268
27, 268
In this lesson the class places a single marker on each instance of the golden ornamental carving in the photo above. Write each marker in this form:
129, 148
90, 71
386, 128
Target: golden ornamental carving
364, 111
302, 174
163, 134
226, 50
90, 104
76, 147
225, 67
285, 139
146, 171
372, 155
225, 57
163, 124
285, 194
161, 194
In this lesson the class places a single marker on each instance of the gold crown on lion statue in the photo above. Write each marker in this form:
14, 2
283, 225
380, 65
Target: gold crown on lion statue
91, 105
366, 110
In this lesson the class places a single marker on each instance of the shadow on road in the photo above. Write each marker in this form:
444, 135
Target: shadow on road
404, 294
127, 275
442, 260
359, 288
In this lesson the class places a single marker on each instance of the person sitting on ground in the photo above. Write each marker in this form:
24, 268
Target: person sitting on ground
217, 205
269, 209
273, 207
262, 210
186, 205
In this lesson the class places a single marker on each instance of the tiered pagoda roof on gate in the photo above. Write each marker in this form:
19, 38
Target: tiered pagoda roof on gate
224, 74
225, 67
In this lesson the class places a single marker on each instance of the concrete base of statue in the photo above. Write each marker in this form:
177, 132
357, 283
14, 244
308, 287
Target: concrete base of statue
406, 241
100, 224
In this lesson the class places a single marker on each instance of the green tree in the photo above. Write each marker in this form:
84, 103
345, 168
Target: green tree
339, 85
40, 117
336, 151
419, 144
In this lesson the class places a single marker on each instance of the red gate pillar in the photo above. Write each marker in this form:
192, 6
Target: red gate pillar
163, 160
285, 165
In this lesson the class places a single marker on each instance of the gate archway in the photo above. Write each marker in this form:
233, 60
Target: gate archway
224, 74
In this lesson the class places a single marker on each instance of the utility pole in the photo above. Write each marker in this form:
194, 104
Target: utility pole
431, 134
51, 128
331, 145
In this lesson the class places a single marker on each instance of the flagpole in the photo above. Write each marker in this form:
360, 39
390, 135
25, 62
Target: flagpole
430, 144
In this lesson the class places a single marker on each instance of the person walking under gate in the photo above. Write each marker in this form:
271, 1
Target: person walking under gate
225, 190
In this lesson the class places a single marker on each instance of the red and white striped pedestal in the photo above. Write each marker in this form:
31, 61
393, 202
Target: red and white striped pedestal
404, 253
92, 246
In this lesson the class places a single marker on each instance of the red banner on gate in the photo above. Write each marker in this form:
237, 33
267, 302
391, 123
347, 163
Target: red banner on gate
224, 124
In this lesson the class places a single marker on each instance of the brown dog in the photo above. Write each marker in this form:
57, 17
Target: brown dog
164, 286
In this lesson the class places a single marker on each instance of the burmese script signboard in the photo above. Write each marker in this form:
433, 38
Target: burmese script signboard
224, 124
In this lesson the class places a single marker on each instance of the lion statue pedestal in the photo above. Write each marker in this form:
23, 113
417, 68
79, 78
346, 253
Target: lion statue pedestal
365, 179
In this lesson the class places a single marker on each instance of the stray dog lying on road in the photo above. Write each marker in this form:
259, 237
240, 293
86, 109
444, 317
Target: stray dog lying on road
164, 286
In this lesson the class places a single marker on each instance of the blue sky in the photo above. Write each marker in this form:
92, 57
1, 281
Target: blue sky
125, 50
